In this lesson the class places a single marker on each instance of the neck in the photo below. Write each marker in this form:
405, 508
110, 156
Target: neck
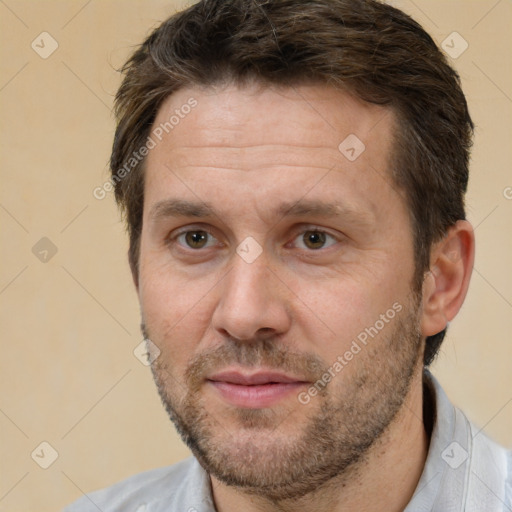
385, 480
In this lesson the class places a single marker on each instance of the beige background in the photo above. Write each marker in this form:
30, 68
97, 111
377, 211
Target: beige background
70, 325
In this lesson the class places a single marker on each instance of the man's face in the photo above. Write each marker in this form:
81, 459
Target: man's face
267, 256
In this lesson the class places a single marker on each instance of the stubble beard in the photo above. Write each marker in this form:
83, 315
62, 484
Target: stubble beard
266, 452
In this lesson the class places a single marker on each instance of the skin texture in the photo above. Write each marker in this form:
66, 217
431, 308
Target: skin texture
251, 153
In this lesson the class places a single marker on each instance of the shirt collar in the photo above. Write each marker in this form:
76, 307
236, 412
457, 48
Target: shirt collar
464, 469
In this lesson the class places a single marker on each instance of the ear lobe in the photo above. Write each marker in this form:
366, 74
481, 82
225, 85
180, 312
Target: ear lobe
446, 283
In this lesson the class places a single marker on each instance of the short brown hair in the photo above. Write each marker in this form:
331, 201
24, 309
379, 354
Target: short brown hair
366, 47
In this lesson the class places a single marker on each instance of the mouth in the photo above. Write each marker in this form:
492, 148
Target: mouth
257, 390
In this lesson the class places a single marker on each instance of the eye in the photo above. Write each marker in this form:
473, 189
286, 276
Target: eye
196, 239
314, 239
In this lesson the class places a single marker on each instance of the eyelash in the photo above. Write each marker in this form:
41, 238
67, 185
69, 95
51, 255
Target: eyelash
312, 229
316, 230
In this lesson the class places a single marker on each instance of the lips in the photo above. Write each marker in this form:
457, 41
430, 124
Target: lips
255, 379
257, 390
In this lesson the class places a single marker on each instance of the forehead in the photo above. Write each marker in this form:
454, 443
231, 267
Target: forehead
252, 135
307, 115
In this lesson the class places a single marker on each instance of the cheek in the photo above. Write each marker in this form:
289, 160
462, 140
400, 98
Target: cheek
340, 306
177, 312
338, 310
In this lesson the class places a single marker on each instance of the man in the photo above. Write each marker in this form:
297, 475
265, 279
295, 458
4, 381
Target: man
293, 178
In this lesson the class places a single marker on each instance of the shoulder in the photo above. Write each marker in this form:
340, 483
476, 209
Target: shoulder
490, 474
183, 486
463, 464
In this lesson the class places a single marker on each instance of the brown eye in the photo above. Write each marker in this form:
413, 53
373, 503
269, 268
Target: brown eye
196, 239
314, 239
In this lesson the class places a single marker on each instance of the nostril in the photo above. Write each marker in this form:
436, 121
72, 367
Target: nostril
264, 333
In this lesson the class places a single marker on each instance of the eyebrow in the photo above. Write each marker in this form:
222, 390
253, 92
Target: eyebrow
180, 208
302, 208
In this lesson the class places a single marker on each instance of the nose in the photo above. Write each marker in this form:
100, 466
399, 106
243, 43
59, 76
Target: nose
253, 302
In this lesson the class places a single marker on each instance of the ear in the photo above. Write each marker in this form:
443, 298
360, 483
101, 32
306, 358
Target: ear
446, 283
